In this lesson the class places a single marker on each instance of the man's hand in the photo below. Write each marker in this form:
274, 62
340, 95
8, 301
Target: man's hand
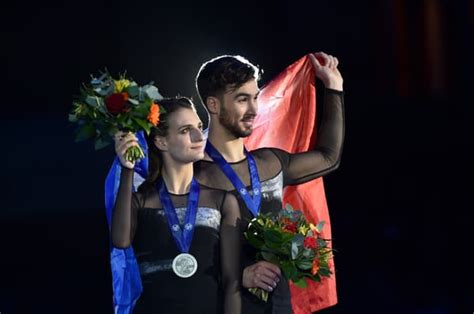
263, 275
326, 70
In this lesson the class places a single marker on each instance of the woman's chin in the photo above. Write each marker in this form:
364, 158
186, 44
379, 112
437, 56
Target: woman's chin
197, 156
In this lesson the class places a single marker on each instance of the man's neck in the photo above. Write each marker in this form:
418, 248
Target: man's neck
230, 147
177, 177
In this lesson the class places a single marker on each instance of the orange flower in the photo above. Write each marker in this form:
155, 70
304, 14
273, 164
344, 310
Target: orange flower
315, 268
154, 115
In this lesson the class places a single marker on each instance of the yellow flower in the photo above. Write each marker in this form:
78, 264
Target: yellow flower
303, 230
313, 228
269, 223
120, 85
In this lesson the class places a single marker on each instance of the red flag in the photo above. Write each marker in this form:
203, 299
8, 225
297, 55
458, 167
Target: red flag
287, 120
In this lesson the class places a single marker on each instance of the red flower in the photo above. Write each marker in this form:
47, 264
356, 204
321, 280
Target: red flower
289, 226
310, 242
116, 103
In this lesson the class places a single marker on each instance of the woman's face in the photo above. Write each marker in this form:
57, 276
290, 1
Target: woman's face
185, 140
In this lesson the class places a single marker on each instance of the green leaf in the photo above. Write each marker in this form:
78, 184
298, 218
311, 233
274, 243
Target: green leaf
289, 207
100, 143
133, 91
319, 226
308, 253
87, 131
141, 111
271, 235
104, 90
111, 130
314, 277
143, 124
304, 264
133, 101
321, 243
289, 237
270, 257
324, 272
151, 92
294, 250
93, 101
96, 103
278, 246
289, 269
300, 282
298, 239
253, 240
72, 118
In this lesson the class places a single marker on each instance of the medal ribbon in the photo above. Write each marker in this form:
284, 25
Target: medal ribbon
183, 235
253, 203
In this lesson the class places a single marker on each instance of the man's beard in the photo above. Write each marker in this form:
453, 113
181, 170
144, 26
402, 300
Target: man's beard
226, 121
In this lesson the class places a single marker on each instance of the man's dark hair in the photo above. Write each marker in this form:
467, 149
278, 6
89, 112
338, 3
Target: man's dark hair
220, 74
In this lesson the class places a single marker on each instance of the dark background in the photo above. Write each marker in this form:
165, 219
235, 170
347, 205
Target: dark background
400, 202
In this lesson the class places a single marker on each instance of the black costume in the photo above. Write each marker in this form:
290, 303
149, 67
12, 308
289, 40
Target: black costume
218, 272
278, 169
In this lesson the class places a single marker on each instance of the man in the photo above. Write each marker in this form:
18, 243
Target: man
228, 87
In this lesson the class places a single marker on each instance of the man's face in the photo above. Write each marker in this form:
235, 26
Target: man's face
239, 108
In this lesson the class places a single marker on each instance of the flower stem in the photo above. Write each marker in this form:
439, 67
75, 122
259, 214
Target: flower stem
134, 153
259, 293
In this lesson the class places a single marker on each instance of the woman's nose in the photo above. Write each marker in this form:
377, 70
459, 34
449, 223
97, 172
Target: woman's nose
197, 135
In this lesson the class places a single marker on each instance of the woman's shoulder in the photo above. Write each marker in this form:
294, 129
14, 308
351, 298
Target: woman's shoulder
146, 195
213, 197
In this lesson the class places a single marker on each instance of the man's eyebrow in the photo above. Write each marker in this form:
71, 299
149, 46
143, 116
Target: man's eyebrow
245, 94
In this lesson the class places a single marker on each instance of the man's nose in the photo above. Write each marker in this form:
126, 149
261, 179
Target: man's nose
254, 105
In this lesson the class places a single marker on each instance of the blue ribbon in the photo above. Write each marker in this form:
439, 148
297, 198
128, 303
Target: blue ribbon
183, 236
253, 203
126, 281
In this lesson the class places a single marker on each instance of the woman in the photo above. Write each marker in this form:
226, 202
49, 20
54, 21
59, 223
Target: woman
184, 235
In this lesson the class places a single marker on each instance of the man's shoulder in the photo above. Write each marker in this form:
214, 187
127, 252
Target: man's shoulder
262, 151
267, 153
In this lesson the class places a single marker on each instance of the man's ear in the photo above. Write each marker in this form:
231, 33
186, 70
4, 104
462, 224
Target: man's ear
212, 104
161, 143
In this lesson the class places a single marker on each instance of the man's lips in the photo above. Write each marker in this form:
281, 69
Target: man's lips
248, 121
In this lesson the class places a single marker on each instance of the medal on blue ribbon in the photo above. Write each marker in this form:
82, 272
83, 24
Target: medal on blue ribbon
252, 202
184, 265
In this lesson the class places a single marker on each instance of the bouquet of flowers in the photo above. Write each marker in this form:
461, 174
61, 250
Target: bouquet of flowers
107, 105
289, 241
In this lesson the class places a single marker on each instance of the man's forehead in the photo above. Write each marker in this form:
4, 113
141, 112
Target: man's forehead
250, 87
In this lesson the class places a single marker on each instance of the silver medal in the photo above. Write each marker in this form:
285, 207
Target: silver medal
184, 265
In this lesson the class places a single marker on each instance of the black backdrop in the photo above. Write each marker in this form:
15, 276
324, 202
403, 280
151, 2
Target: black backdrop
400, 214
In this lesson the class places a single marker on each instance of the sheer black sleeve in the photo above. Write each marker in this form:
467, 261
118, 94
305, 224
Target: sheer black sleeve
302, 167
230, 254
124, 215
